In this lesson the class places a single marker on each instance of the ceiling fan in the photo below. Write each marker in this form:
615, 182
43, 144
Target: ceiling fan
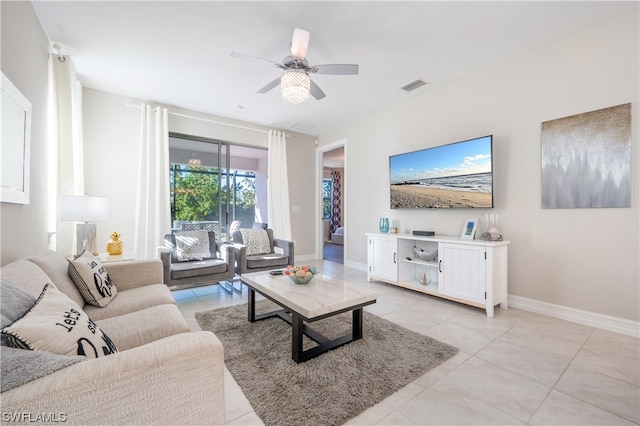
295, 83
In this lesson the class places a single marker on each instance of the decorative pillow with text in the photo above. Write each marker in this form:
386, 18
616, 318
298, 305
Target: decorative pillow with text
93, 282
58, 325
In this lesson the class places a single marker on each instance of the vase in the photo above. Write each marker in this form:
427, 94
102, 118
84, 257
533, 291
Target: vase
384, 225
115, 245
491, 227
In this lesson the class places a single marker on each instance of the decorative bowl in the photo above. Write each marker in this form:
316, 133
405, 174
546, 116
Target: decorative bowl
300, 274
427, 256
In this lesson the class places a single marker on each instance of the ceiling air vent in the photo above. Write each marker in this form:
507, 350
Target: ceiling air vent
299, 125
413, 85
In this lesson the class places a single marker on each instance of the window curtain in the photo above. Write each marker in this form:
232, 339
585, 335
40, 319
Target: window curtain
153, 211
278, 186
66, 164
336, 200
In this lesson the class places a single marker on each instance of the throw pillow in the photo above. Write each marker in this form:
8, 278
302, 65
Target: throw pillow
14, 303
93, 282
192, 245
56, 324
256, 240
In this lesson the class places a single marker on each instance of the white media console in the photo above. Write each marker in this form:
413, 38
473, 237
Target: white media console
473, 272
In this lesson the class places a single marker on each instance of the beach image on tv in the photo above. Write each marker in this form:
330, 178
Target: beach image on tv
458, 175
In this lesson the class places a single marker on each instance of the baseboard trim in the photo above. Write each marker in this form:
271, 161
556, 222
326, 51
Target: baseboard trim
591, 319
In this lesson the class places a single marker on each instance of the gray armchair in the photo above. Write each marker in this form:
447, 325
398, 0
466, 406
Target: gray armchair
262, 262
218, 266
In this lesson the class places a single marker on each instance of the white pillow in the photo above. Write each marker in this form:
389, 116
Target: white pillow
58, 325
93, 282
256, 240
192, 245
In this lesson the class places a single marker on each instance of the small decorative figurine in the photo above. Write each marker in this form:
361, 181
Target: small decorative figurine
115, 245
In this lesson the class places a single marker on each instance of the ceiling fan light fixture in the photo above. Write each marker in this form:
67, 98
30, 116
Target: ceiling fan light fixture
295, 86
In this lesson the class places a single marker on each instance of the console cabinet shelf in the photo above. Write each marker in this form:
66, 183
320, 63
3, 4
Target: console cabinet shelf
473, 272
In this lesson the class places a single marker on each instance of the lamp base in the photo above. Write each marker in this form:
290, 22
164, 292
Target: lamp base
86, 238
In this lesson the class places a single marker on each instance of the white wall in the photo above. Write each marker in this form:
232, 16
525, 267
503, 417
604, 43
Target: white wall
111, 139
23, 60
586, 259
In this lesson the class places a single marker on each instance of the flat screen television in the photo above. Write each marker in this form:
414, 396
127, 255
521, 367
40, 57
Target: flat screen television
457, 175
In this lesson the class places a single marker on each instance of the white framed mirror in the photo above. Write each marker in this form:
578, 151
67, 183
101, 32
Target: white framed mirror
16, 144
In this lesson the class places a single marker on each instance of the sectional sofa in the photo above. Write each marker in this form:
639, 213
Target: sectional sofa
150, 368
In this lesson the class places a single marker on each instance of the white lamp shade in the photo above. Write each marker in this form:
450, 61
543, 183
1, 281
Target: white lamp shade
295, 86
82, 208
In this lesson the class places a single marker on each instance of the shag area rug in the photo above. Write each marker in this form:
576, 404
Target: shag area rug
329, 389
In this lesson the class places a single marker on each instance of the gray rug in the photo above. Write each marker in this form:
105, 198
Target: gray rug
329, 389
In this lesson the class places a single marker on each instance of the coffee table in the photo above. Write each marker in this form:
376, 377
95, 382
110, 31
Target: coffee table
321, 298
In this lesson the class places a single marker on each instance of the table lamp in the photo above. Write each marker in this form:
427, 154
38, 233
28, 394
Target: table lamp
82, 208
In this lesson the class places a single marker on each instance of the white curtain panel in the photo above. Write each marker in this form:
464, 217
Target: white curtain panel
66, 164
153, 212
278, 186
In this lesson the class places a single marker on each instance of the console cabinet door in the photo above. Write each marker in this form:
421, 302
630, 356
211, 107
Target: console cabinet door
462, 271
383, 257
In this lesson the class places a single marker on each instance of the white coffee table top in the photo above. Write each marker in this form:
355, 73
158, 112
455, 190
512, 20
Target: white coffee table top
322, 295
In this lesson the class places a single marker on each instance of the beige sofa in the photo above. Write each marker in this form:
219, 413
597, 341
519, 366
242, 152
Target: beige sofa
161, 374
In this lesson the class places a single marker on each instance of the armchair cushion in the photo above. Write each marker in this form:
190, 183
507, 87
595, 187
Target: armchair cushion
257, 241
194, 269
192, 245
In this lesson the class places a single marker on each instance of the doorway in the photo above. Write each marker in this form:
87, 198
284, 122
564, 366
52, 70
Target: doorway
332, 235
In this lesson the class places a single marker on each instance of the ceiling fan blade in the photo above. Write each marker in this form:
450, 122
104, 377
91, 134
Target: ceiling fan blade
270, 86
316, 91
299, 43
254, 59
336, 69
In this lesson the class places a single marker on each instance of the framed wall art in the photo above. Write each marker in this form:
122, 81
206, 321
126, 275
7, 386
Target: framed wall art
16, 145
586, 160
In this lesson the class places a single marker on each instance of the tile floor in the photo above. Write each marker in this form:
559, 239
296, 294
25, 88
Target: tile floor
515, 368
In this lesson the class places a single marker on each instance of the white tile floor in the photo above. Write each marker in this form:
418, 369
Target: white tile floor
515, 368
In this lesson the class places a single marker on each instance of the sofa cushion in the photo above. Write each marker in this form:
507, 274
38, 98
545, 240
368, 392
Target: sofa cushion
93, 281
197, 268
145, 326
132, 300
256, 240
28, 276
58, 325
57, 268
192, 245
20, 366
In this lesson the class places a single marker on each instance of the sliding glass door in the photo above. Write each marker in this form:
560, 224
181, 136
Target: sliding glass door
210, 187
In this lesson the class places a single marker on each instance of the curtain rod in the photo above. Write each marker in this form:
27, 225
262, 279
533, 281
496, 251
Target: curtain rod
211, 121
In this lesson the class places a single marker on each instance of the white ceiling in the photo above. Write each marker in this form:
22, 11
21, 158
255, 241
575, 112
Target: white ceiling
177, 53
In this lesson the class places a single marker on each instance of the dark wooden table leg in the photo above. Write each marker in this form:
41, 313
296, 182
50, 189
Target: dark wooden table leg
297, 327
252, 304
356, 324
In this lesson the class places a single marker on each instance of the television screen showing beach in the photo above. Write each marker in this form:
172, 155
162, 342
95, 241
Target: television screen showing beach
458, 175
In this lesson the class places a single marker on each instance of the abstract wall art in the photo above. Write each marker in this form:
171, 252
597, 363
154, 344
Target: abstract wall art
586, 160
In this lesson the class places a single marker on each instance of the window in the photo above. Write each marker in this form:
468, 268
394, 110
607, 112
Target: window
327, 198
